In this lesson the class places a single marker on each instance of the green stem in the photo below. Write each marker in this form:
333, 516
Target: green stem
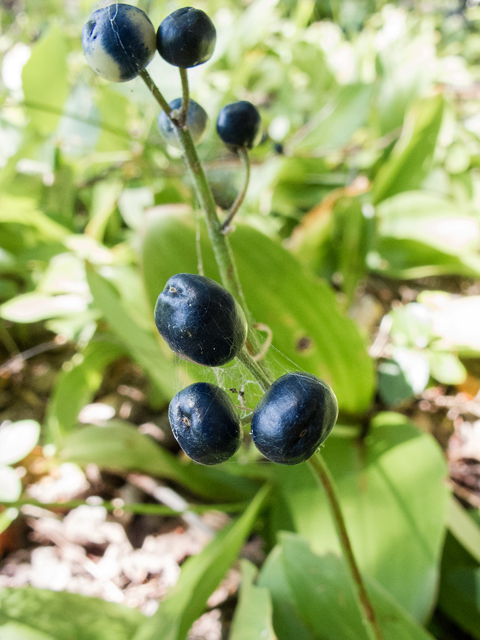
322, 473
146, 77
220, 244
137, 508
221, 247
185, 98
255, 368
243, 153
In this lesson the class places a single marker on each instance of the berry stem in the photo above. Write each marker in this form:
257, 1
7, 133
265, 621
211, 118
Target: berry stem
185, 98
243, 153
255, 368
220, 244
147, 78
323, 475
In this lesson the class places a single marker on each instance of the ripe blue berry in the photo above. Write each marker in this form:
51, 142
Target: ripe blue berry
205, 423
293, 418
186, 38
118, 42
239, 125
197, 122
200, 320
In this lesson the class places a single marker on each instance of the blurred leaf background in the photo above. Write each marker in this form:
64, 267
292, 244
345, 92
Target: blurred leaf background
358, 245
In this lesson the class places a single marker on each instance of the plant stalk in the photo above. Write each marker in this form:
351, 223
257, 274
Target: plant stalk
323, 475
243, 153
147, 78
185, 98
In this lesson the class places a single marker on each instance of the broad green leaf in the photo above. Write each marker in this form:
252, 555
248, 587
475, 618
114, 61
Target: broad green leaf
64, 616
75, 388
17, 439
32, 307
424, 234
458, 594
446, 367
379, 481
321, 592
287, 621
10, 484
121, 446
200, 576
464, 528
23, 210
104, 201
301, 310
339, 119
17, 631
141, 343
412, 156
44, 80
253, 615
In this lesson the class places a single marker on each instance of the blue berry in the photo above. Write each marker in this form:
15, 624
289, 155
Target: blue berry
239, 125
293, 418
200, 320
118, 42
205, 423
197, 122
186, 38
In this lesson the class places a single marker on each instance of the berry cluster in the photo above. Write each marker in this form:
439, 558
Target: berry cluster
119, 41
199, 320
203, 323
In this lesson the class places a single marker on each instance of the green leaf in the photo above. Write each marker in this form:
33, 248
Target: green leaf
7, 517
121, 446
301, 309
464, 528
17, 439
446, 367
10, 485
393, 496
253, 615
17, 631
200, 576
32, 307
460, 578
44, 80
141, 343
339, 119
412, 156
321, 591
75, 388
427, 234
63, 616
23, 211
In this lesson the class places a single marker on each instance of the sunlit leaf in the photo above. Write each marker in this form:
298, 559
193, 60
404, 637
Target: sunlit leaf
10, 485
321, 591
44, 80
43, 615
17, 439
411, 159
253, 614
120, 446
75, 388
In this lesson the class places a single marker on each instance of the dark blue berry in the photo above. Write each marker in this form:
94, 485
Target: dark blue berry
205, 423
186, 38
200, 320
118, 42
197, 122
293, 418
239, 125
